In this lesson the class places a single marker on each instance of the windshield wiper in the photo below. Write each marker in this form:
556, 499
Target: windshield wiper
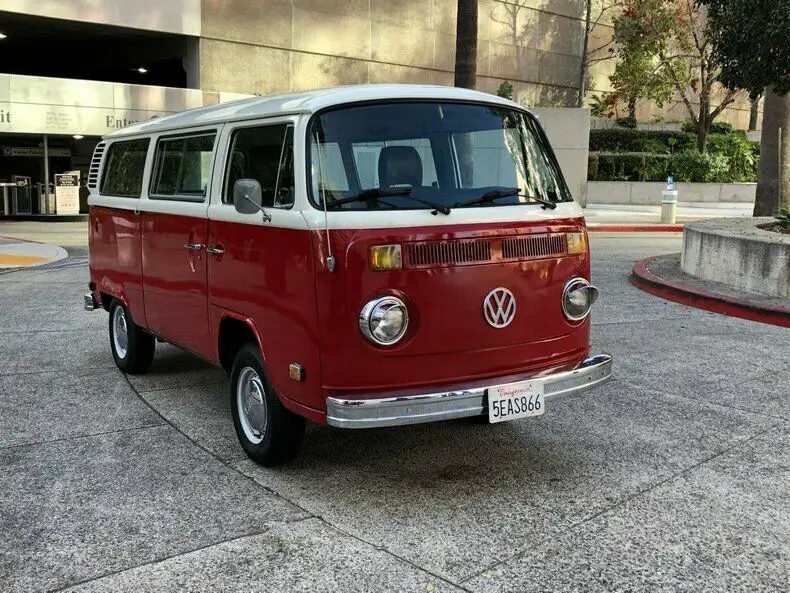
378, 192
505, 193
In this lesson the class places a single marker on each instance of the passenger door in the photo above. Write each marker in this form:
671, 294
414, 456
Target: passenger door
262, 271
175, 233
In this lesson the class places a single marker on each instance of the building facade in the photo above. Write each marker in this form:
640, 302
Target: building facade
74, 70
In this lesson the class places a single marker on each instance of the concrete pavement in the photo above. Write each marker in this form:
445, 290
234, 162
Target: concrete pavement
673, 476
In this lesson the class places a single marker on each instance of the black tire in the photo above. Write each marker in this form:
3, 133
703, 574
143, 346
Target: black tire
282, 431
140, 345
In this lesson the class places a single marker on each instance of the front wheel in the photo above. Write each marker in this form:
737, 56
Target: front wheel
132, 347
268, 432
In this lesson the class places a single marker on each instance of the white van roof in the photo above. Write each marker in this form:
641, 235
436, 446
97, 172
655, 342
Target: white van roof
305, 102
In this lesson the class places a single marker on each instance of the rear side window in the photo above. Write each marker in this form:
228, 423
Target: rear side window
183, 167
123, 168
265, 154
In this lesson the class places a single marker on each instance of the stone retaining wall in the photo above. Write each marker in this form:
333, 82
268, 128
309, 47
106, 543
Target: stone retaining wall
735, 252
648, 193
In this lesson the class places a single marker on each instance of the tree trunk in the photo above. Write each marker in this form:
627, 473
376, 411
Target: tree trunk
754, 114
466, 44
585, 55
632, 108
773, 186
703, 131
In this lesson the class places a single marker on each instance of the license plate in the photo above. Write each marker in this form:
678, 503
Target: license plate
517, 400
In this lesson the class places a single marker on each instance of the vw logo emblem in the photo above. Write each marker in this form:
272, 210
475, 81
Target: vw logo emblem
499, 307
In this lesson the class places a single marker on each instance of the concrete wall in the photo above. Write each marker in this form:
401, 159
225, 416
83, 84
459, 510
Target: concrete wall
569, 133
170, 16
534, 44
644, 193
735, 252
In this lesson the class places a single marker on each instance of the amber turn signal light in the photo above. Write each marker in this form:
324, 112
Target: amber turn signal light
385, 257
577, 243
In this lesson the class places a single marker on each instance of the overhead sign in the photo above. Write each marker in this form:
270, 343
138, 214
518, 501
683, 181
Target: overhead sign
32, 151
39, 105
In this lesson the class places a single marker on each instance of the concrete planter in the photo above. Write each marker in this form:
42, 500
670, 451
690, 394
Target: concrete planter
649, 193
733, 251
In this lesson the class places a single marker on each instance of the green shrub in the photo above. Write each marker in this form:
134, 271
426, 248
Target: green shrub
784, 219
505, 90
627, 167
628, 123
623, 140
741, 155
717, 127
695, 167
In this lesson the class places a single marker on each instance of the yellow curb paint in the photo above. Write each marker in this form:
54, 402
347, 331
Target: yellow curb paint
20, 260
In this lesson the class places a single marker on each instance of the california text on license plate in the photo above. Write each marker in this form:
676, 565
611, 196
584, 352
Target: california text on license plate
517, 400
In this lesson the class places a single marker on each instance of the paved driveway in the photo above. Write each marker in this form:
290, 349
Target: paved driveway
674, 476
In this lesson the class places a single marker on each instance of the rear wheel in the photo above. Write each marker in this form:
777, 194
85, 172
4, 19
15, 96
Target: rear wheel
268, 432
132, 347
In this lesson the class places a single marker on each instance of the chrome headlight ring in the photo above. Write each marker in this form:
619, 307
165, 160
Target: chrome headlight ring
383, 321
576, 312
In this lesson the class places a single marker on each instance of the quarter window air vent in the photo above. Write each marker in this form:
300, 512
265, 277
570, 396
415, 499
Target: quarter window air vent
93, 172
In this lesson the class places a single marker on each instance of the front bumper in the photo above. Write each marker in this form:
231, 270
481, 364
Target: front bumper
431, 407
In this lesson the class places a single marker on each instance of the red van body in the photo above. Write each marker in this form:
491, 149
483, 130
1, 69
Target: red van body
259, 236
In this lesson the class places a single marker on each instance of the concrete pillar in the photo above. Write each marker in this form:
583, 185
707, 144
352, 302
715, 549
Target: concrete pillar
192, 62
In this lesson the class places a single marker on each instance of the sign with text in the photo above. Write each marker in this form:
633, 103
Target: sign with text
33, 151
67, 193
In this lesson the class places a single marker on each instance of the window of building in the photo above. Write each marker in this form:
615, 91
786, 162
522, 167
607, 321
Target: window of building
123, 169
265, 154
183, 167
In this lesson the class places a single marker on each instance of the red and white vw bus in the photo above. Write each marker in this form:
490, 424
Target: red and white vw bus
362, 256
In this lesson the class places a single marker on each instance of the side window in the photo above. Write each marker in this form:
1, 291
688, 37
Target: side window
123, 168
266, 154
183, 167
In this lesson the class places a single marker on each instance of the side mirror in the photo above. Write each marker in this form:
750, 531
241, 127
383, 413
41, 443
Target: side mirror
247, 196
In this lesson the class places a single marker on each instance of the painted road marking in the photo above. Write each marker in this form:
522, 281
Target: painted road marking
7, 259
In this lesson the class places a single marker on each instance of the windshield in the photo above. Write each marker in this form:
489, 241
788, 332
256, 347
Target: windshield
445, 154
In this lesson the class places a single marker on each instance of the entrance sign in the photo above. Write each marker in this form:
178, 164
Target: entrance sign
38, 105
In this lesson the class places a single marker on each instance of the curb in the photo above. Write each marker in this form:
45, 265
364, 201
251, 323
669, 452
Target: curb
635, 228
645, 280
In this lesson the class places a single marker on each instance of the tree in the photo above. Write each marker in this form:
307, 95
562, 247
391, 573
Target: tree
605, 51
466, 44
665, 40
750, 41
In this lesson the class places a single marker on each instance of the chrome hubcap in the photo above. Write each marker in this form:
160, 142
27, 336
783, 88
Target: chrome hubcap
120, 333
251, 403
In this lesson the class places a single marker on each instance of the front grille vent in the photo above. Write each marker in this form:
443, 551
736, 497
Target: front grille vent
448, 253
93, 172
436, 254
519, 248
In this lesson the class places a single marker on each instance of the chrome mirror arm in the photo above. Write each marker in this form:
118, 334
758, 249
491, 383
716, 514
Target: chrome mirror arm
266, 216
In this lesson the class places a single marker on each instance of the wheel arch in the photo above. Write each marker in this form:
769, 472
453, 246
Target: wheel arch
235, 331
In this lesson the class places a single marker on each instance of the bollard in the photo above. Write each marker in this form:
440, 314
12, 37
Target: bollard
669, 202
669, 206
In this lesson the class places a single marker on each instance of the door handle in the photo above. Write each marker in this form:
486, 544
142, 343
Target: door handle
215, 250
194, 246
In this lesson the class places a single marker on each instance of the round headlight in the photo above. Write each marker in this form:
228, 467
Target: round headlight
577, 299
383, 321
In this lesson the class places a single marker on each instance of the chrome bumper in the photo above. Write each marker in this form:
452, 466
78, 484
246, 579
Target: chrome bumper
431, 407
89, 304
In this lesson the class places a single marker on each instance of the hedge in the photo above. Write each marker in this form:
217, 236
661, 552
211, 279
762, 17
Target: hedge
657, 141
650, 155
633, 166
